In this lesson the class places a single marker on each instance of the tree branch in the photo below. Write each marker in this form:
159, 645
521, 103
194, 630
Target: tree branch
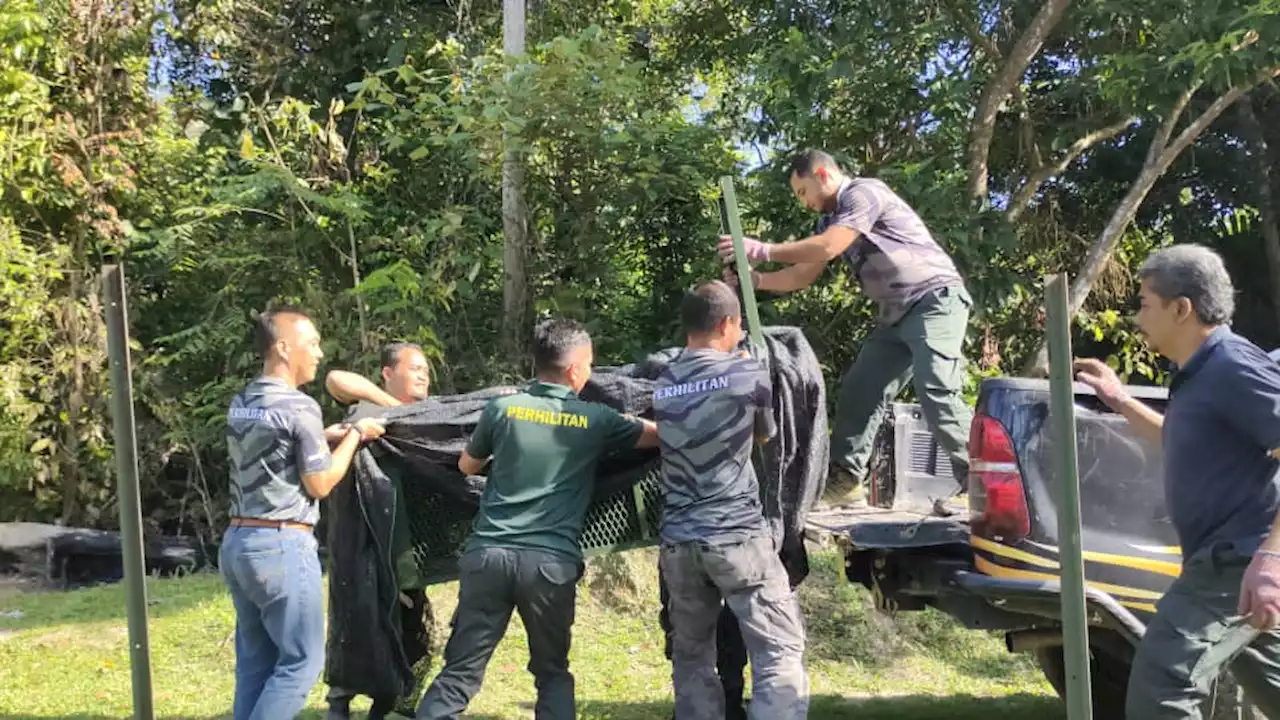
1224, 101
998, 88
1158, 161
991, 49
1161, 139
976, 36
1022, 199
1028, 130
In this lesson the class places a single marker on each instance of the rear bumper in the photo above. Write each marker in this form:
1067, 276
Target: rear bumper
1044, 600
943, 577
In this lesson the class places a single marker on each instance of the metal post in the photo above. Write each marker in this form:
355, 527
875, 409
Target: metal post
1063, 420
730, 217
126, 447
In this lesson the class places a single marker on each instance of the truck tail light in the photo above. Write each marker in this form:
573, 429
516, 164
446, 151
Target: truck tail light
997, 500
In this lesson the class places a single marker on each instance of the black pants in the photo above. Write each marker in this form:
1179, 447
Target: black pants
493, 583
414, 641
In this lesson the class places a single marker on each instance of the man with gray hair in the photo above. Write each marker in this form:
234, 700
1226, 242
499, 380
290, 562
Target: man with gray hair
1221, 437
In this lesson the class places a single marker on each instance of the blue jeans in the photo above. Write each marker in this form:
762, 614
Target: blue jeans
274, 578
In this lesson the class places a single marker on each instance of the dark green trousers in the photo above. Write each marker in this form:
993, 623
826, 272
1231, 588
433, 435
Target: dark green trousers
492, 583
1196, 634
925, 348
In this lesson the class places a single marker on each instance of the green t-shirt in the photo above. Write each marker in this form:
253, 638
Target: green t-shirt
545, 443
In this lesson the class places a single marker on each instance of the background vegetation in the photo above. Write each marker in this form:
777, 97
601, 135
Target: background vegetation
346, 156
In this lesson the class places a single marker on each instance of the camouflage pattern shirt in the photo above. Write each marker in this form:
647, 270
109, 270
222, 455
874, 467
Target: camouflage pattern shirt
275, 435
710, 407
895, 257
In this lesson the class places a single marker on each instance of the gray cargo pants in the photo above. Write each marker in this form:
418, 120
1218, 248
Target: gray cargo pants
750, 578
925, 346
492, 582
1195, 635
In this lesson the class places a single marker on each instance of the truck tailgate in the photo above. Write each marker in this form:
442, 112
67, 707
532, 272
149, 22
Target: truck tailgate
875, 527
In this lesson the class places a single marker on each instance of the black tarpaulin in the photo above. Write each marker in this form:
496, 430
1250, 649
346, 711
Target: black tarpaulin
422, 445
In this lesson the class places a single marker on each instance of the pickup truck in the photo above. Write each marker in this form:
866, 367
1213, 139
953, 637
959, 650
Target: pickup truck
994, 565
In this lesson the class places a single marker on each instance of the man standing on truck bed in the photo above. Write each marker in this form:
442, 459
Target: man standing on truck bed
923, 312
406, 378
711, 405
281, 468
525, 551
1221, 435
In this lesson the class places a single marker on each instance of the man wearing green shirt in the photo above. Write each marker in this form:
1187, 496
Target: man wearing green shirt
542, 446
406, 378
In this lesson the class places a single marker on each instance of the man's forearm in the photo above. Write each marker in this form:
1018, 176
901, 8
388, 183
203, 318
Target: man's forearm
349, 387
796, 277
813, 249
1272, 541
319, 485
1147, 422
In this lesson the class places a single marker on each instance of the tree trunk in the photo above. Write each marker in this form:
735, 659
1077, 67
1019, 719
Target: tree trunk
999, 87
355, 287
516, 298
1160, 156
1261, 155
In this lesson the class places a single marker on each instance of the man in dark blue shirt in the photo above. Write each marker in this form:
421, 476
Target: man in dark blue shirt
1221, 437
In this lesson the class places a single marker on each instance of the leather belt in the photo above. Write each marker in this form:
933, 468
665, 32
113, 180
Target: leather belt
264, 523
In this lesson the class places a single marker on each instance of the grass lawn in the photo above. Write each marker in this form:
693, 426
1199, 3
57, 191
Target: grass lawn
66, 655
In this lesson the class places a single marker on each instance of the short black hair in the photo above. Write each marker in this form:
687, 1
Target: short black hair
553, 340
805, 162
266, 329
707, 305
391, 352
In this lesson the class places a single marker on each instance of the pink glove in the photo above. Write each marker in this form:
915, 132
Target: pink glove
756, 251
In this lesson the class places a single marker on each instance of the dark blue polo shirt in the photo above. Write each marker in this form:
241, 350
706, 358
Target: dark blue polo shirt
1222, 421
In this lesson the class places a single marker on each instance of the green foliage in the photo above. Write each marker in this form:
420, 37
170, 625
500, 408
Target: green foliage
348, 159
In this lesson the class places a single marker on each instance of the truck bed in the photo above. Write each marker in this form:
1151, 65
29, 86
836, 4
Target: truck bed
876, 527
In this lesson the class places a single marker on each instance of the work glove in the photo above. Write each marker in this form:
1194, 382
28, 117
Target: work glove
756, 251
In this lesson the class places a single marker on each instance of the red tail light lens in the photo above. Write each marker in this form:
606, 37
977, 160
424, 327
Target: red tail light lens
997, 499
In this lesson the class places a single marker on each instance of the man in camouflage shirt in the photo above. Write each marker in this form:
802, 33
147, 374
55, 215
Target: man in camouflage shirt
711, 405
281, 467
923, 312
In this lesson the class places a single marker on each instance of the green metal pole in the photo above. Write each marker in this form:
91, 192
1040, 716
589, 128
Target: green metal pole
734, 221
1075, 635
135, 573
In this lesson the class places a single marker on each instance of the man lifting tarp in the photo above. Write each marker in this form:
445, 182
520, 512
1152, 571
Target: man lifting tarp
541, 446
406, 378
711, 406
424, 441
